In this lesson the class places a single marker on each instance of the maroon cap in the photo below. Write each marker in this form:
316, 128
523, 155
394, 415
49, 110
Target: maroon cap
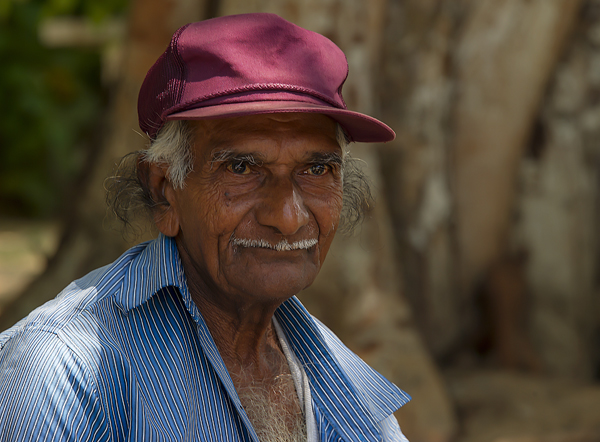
246, 65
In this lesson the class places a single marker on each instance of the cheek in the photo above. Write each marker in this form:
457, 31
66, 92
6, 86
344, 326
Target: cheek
334, 206
208, 209
327, 214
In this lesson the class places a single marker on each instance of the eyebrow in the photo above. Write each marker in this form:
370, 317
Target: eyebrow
326, 158
255, 158
223, 155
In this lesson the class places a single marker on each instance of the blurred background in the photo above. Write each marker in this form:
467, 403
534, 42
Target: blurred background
473, 284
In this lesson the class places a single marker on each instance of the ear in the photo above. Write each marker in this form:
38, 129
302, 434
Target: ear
163, 195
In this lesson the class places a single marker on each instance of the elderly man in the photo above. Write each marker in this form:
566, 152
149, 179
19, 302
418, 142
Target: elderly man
198, 335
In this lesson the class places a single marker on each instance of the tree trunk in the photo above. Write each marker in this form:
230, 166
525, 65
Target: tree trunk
557, 211
504, 58
416, 88
462, 84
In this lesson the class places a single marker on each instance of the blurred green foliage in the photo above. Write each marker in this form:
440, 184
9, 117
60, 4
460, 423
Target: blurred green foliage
51, 100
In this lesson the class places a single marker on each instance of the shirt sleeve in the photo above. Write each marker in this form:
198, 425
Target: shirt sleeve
46, 392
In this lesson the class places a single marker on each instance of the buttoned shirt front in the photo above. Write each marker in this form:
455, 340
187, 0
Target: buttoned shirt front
123, 354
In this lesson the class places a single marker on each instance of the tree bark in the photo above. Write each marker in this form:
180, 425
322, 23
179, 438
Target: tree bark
504, 60
557, 210
416, 87
462, 84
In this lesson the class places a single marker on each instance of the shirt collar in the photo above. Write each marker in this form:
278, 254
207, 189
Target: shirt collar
378, 399
156, 266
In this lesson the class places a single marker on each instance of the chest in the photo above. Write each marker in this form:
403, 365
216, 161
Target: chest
274, 409
168, 382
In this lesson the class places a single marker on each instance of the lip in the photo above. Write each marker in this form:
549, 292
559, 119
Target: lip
274, 259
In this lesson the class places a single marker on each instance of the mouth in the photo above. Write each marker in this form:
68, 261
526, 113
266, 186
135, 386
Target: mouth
281, 246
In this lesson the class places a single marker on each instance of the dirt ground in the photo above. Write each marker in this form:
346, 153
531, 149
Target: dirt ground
501, 406
24, 248
491, 405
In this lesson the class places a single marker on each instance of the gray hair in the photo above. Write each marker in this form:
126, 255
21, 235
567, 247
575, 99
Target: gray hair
173, 148
129, 197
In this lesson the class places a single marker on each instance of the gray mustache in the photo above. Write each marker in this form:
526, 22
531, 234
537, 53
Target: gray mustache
281, 246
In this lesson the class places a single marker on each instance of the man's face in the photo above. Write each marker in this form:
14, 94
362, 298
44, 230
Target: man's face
260, 208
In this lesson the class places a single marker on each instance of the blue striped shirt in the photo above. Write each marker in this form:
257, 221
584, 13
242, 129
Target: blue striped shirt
124, 354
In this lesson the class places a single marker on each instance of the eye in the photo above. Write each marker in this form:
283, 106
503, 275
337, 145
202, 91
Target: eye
239, 167
318, 169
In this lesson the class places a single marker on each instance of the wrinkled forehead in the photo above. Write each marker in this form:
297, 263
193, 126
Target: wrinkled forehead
235, 133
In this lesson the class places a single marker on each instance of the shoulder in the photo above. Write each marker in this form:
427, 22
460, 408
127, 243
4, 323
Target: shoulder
362, 375
74, 303
68, 339
382, 395
33, 354
60, 367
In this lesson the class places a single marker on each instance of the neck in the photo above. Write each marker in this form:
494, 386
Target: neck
248, 344
244, 336
239, 322
243, 332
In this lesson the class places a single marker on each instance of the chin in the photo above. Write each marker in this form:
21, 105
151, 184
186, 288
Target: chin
276, 288
268, 275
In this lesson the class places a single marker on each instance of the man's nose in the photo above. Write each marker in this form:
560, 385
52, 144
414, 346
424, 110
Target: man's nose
282, 207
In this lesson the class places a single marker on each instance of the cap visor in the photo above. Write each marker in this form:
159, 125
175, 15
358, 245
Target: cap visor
359, 127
